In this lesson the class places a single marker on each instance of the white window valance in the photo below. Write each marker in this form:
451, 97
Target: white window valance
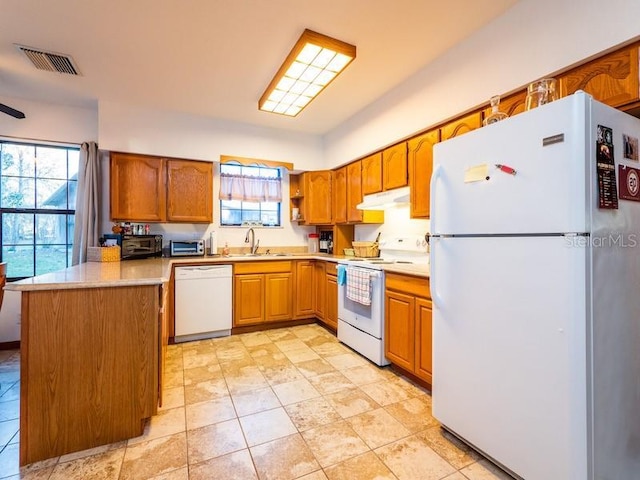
249, 188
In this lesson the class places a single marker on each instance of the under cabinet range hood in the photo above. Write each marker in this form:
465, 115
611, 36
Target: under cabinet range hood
383, 200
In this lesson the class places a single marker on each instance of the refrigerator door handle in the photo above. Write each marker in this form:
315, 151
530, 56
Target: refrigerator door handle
435, 296
432, 197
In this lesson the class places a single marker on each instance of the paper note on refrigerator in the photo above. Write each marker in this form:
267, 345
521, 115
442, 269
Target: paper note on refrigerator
476, 173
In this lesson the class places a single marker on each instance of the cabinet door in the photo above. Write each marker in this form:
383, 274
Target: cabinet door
461, 125
304, 289
372, 174
400, 329
354, 191
331, 312
189, 191
612, 79
278, 296
394, 166
248, 305
420, 151
424, 313
340, 195
318, 197
320, 295
137, 187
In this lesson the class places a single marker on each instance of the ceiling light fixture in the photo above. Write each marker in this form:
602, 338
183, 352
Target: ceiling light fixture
314, 61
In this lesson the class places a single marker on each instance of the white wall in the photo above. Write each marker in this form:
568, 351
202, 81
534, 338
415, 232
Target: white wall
531, 40
45, 122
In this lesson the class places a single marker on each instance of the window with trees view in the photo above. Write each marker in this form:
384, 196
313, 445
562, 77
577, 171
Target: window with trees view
37, 207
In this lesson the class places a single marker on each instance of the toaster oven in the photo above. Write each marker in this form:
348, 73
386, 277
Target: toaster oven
186, 248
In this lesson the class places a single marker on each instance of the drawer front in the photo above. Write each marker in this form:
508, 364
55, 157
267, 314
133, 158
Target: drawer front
262, 267
418, 286
332, 268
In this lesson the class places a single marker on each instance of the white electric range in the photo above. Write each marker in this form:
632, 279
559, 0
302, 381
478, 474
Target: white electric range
361, 324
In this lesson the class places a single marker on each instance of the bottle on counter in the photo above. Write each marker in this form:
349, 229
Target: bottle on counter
225, 250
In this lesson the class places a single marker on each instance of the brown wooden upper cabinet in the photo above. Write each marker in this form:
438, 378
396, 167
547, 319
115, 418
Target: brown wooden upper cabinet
461, 125
372, 174
317, 190
144, 188
420, 153
137, 184
340, 195
611, 79
354, 191
394, 166
511, 105
189, 191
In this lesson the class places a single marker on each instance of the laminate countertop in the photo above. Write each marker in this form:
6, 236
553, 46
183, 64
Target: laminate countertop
154, 271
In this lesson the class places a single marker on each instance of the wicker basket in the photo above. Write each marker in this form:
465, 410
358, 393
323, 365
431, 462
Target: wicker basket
365, 249
103, 254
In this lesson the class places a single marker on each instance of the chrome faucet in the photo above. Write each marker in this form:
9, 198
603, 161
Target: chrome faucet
254, 245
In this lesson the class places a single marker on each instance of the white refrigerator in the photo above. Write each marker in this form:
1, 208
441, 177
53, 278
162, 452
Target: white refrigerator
535, 280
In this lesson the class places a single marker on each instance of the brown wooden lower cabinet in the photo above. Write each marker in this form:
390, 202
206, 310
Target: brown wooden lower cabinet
331, 295
320, 290
408, 325
304, 289
90, 367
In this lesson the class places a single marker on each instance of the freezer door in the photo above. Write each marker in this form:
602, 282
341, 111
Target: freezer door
547, 193
509, 350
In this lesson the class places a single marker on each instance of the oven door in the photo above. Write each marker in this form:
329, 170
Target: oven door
367, 318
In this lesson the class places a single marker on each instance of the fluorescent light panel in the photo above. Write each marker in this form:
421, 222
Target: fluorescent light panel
314, 61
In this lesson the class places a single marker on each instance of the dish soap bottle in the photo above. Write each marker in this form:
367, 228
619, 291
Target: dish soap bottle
225, 250
495, 115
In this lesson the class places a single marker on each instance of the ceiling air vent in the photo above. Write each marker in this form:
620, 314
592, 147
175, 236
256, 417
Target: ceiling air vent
50, 61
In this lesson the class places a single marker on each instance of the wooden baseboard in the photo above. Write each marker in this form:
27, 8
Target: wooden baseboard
411, 376
10, 345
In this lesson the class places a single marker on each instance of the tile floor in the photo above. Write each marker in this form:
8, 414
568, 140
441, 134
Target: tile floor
282, 404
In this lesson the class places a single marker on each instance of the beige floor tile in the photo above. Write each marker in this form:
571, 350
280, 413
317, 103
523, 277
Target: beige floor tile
9, 410
280, 334
294, 392
334, 443
385, 393
172, 397
254, 401
247, 378
232, 353
363, 467
199, 360
484, 470
233, 466
214, 440
290, 344
167, 422
414, 413
364, 374
92, 451
41, 474
312, 413
9, 460
412, 388
455, 476
266, 349
311, 368
328, 348
281, 373
205, 391
179, 474
8, 429
10, 392
155, 457
103, 466
351, 402
331, 382
317, 475
206, 413
346, 360
271, 359
309, 332
254, 339
301, 355
265, 426
284, 459
377, 428
201, 374
412, 459
173, 378
448, 447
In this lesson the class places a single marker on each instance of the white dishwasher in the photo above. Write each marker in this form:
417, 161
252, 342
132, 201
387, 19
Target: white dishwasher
204, 300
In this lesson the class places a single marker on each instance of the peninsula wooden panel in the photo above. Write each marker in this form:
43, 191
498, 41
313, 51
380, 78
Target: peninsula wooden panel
394, 166
89, 373
320, 289
331, 293
189, 191
372, 173
137, 188
420, 153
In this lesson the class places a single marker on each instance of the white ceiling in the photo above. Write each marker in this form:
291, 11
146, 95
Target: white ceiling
215, 57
